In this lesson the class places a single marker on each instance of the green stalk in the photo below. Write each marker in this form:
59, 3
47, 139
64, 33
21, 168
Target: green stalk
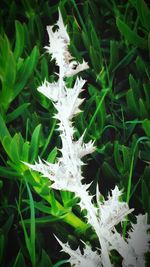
105, 91
70, 217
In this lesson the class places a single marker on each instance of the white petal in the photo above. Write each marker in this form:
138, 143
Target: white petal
50, 90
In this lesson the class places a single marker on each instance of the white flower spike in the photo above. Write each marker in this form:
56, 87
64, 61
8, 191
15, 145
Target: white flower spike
66, 173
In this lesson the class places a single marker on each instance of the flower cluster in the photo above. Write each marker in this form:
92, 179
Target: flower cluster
66, 173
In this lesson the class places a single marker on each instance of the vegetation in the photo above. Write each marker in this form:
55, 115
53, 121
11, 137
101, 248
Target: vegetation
113, 37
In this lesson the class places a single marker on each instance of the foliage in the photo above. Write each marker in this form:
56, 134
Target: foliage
116, 114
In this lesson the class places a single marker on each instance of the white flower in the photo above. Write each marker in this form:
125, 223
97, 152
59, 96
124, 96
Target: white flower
113, 211
68, 104
75, 67
50, 90
66, 173
89, 258
58, 47
138, 237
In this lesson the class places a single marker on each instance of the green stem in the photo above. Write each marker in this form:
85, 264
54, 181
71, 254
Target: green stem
105, 91
70, 217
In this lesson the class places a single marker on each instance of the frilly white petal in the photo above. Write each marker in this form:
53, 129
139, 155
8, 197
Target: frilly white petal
113, 211
138, 236
89, 258
50, 90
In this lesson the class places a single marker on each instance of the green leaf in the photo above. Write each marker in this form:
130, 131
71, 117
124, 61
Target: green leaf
44, 69
26, 236
60, 263
125, 60
117, 157
26, 71
8, 173
8, 224
130, 35
126, 157
96, 62
45, 219
45, 260
146, 127
109, 171
132, 102
52, 155
3, 129
7, 63
6, 144
25, 152
114, 55
19, 44
35, 141
143, 111
32, 225
145, 196
16, 148
104, 92
19, 260
86, 40
144, 13
17, 112
2, 245
40, 206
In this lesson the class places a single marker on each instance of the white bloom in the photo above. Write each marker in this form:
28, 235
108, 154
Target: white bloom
75, 67
66, 173
58, 47
138, 238
68, 105
89, 258
113, 211
50, 90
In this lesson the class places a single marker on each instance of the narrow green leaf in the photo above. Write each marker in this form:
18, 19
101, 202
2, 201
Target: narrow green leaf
26, 71
45, 260
132, 102
2, 245
3, 129
19, 44
60, 263
8, 224
48, 139
15, 148
145, 196
32, 226
45, 220
17, 112
117, 157
8, 173
35, 141
104, 93
96, 62
19, 260
40, 206
114, 55
26, 236
7, 63
144, 13
25, 152
52, 155
146, 127
142, 109
130, 35
125, 60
